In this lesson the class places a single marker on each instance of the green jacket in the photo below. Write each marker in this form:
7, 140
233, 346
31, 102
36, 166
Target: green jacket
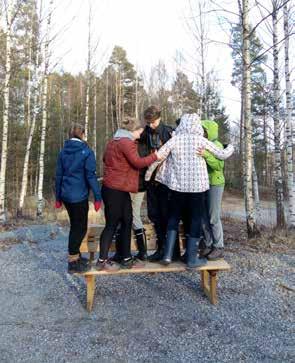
214, 165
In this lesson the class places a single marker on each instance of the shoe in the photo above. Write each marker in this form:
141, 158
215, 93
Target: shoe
169, 247
77, 267
191, 250
215, 254
132, 262
204, 252
156, 256
84, 259
183, 258
140, 238
106, 265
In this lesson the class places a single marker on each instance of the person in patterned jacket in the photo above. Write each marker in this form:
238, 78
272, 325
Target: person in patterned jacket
184, 172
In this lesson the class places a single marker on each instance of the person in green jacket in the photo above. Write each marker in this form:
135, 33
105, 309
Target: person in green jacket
212, 225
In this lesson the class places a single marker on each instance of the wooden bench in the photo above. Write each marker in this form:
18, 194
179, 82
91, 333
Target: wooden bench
208, 272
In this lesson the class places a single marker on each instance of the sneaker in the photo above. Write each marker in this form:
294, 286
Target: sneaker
141, 256
204, 252
77, 267
106, 265
156, 256
132, 262
215, 254
84, 260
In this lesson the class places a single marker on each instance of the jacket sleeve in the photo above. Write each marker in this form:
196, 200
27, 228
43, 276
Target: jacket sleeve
213, 162
163, 153
129, 149
58, 178
91, 177
221, 154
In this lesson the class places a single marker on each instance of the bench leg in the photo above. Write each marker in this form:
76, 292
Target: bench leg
90, 284
209, 284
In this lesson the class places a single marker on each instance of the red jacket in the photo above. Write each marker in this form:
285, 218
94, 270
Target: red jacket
122, 164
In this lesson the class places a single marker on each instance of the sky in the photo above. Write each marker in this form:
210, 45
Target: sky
149, 31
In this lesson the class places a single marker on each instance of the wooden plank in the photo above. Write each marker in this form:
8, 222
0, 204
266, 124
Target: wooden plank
149, 267
90, 284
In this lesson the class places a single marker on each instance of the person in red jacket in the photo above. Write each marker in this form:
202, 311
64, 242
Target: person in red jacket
120, 177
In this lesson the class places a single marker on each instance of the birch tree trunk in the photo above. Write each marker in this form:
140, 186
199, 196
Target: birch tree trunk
88, 75
107, 106
248, 152
277, 124
40, 203
95, 119
6, 99
290, 177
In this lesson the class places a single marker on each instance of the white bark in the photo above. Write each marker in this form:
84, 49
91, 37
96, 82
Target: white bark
6, 99
248, 152
290, 175
33, 88
88, 75
107, 106
40, 204
95, 119
277, 124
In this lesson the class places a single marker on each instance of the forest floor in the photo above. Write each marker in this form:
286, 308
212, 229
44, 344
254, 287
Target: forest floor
145, 318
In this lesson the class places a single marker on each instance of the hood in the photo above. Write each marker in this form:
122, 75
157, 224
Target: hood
120, 133
190, 124
72, 146
212, 129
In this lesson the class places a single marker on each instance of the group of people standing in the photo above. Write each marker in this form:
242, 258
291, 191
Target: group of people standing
181, 172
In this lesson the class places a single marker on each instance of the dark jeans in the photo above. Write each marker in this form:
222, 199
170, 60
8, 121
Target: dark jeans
117, 210
78, 214
157, 206
181, 203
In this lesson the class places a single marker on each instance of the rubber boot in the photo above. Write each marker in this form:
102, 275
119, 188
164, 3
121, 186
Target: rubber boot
176, 252
140, 239
158, 254
191, 252
169, 247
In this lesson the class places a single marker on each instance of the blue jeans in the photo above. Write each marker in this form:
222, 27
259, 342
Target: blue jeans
193, 203
212, 225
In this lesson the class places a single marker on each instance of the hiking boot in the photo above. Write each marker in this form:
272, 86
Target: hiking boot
132, 262
106, 265
215, 254
204, 252
156, 256
77, 267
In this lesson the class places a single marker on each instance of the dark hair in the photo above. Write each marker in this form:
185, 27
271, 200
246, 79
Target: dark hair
130, 123
77, 130
152, 113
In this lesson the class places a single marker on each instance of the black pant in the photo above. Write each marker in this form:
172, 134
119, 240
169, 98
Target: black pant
117, 209
193, 204
157, 206
78, 214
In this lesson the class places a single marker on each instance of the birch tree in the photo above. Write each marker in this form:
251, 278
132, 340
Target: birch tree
40, 203
291, 187
276, 119
6, 102
246, 101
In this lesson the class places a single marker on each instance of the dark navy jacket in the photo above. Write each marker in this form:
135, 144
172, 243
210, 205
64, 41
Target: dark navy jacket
76, 173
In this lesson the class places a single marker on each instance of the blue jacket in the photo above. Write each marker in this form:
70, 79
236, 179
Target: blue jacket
76, 173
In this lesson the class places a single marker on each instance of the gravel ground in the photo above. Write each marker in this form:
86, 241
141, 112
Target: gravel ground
142, 318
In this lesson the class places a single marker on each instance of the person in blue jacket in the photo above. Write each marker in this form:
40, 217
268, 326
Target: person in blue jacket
75, 176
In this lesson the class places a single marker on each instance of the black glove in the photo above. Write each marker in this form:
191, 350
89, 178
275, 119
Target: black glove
225, 145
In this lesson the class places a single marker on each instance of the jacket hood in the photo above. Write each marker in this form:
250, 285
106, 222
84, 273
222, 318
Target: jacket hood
72, 146
212, 129
120, 133
190, 124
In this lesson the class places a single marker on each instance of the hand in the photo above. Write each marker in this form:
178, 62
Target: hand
58, 204
157, 155
200, 151
225, 145
97, 205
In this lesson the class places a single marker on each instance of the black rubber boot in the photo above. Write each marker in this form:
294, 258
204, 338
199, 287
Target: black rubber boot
191, 251
176, 252
141, 243
169, 247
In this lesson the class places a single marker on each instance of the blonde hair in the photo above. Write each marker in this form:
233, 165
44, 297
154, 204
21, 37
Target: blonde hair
130, 124
77, 130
